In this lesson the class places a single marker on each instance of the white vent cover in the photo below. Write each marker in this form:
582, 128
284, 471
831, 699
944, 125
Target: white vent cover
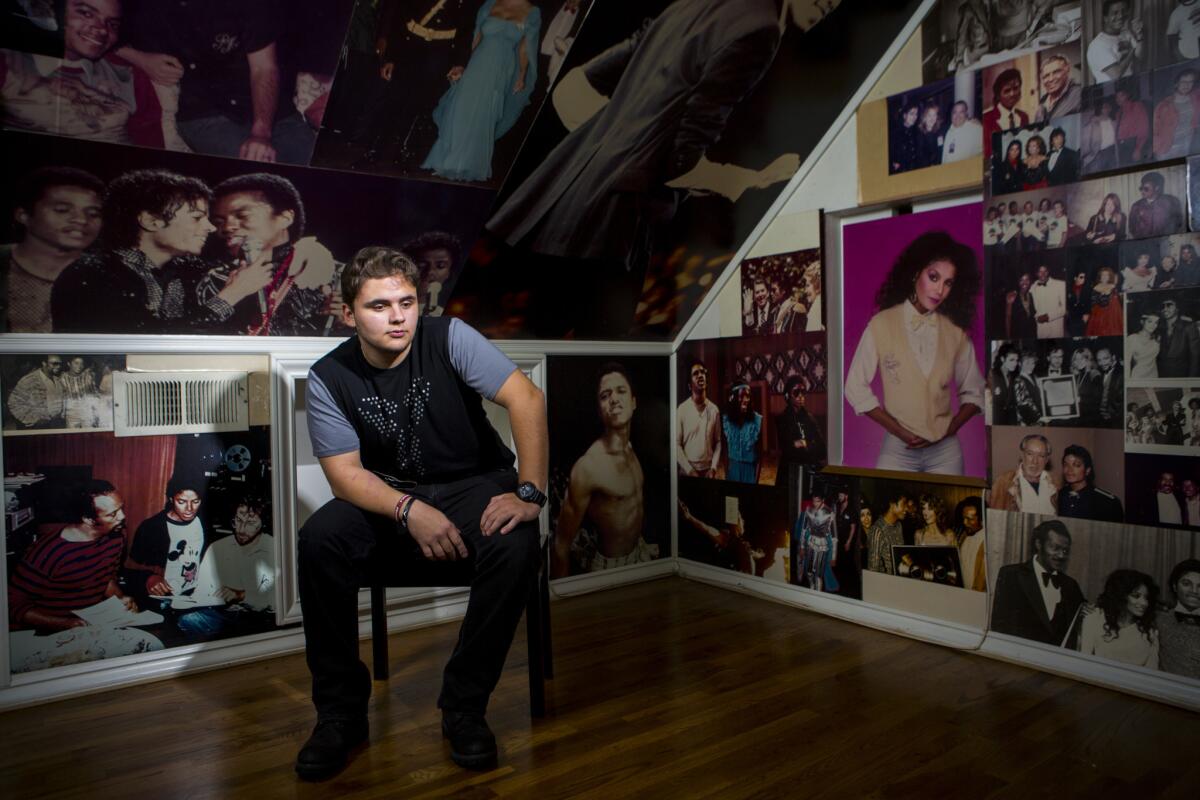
151, 403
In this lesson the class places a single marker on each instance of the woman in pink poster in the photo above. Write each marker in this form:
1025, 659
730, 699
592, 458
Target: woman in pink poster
919, 343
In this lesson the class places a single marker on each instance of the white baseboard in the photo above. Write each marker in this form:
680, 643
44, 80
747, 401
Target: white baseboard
610, 578
914, 626
1151, 684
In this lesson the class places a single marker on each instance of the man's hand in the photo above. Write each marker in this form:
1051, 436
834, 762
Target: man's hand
437, 536
505, 512
129, 603
157, 586
257, 148
454, 74
162, 68
313, 265
386, 70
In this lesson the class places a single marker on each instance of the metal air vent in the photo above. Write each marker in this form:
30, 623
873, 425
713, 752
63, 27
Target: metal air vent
153, 403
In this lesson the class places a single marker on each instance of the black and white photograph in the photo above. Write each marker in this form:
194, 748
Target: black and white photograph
58, 392
608, 462
1116, 592
934, 124
969, 35
1039, 155
1115, 124
1163, 419
176, 530
1074, 383
1162, 338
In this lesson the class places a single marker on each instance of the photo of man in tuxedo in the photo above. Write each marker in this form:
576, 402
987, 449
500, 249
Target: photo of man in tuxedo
1036, 599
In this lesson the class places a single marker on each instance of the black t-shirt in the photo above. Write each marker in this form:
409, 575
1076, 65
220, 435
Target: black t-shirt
422, 420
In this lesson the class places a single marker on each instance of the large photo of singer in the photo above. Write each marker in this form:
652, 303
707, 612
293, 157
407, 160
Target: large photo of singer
108, 239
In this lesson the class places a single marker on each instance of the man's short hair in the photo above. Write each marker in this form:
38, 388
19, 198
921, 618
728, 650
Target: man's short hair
279, 192
1107, 4
691, 365
962, 103
964, 504
1008, 75
1182, 568
1083, 455
147, 191
611, 367
1063, 134
83, 501
792, 383
1188, 72
1027, 438
34, 184
1154, 179
1046, 528
376, 262
1056, 57
433, 240
184, 481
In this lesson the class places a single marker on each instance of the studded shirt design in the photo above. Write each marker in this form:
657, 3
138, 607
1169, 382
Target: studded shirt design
398, 427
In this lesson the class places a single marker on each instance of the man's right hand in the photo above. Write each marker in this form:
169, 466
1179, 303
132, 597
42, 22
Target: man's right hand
437, 536
386, 70
158, 586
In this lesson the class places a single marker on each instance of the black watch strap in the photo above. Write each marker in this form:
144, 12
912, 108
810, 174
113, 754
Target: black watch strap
531, 494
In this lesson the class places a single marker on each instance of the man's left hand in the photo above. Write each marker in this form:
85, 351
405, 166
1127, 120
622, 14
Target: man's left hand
505, 512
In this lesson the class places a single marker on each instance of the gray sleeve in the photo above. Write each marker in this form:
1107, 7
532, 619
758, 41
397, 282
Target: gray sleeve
479, 363
331, 433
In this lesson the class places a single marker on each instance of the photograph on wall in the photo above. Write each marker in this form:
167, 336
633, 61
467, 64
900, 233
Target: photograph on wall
609, 479
1128, 37
1039, 87
914, 343
413, 93
1116, 124
735, 526
237, 249
1163, 419
634, 179
1143, 204
1176, 107
1123, 593
1072, 383
1029, 222
1072, 472
934, 124
136, 544
1169, 262
751, 407
923, 520
58, 392
1193, 191
782, 293
1162, 490
1027, 297
223, 78
957, 35
1038, 155
827, 549
1161, 338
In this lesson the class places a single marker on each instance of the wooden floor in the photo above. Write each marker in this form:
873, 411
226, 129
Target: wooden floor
664, 689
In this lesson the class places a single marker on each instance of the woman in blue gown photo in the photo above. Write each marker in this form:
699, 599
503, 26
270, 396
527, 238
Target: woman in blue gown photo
486, 98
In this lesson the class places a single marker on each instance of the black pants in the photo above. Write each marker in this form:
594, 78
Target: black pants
418, 82
343, 548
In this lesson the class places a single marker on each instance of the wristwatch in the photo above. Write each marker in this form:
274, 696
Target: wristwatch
530, 494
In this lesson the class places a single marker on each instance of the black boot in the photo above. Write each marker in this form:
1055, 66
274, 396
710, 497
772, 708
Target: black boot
326, 751
472, 744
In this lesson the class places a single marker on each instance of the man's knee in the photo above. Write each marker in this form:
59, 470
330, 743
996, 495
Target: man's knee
520, 548
325, 530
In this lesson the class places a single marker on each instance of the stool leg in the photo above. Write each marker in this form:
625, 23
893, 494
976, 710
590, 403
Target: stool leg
533, 633
379, 642
547, 642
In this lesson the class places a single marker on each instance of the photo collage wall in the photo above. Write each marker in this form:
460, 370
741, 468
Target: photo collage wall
1090, 120
126, 544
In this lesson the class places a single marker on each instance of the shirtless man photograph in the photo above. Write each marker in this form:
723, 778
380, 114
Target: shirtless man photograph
600, 525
